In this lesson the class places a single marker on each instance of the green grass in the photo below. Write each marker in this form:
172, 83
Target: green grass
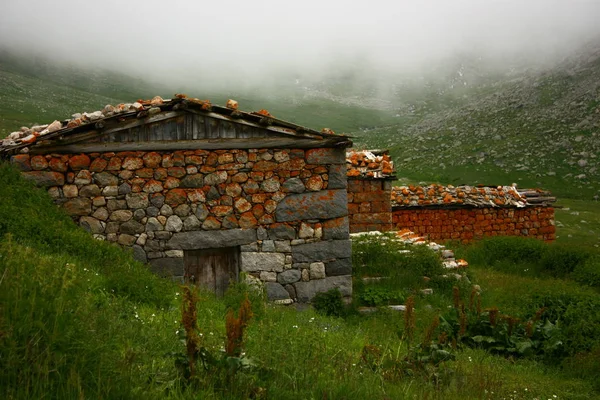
79, 318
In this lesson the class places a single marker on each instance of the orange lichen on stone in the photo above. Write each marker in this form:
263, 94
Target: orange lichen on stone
264, 113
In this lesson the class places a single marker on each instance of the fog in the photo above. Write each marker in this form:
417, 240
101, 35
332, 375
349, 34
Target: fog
233, 41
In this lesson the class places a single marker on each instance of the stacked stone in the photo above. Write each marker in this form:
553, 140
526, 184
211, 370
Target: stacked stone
369, 205
468, 224
286, 209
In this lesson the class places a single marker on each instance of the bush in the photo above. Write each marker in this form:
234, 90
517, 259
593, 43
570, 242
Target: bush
577, 314
560, 261
499, 249
329, 303
377, 296
588, 272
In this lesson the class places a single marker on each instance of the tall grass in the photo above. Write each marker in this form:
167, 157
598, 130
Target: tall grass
80, 319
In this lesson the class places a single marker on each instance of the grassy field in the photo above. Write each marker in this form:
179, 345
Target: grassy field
79, 318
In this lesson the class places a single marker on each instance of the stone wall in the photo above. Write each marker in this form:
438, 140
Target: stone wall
369, 205
467, 224
286, 209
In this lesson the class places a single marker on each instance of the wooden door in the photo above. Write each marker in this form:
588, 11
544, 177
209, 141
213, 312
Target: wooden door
212, 269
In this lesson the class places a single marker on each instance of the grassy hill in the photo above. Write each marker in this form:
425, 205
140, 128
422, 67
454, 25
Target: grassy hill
35, 90
540, 130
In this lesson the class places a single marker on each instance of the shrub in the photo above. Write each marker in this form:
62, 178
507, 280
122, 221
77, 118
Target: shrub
376, 296
577, 314
560, 260
329, 303
588, 272
491, 251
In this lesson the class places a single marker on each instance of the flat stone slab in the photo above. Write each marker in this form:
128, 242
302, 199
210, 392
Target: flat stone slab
196, 240
324, 204
305, 291
255, 262
322, 251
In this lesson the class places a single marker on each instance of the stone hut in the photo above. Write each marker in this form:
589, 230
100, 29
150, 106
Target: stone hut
439, 212
202, 193
468, 213
370, 175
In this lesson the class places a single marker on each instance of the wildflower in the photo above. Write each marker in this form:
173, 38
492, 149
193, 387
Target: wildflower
295, 326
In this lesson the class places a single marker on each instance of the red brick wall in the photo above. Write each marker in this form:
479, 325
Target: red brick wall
469, 224
369, 206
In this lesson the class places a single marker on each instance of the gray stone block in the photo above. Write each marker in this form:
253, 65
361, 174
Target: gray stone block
197, 240
305, 291
291, 290
268, 246
282, 232
294, 185
314, 205
192, 181
341, 266
337, 177
167, 266
255, 262
137, 200
132, 227
139, 254
338, 228
276, 292
289, 276
106, 179
326, 156
322, 251
283, 246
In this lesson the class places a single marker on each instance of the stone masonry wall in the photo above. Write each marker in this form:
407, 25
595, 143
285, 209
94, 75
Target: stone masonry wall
369, 205
467, 224
286, 209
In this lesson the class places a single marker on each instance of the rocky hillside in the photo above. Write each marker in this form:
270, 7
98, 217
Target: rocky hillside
537, 129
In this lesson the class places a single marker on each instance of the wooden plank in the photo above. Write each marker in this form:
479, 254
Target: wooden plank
278, 129
213, 128
207, 144
200, 125
143, 121
227, 130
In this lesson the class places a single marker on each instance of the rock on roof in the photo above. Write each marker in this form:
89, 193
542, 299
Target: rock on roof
468, 196
121, 113
369, 164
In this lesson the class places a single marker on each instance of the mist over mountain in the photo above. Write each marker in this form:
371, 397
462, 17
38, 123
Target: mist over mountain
228, 45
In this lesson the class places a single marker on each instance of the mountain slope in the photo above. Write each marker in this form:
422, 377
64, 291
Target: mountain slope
536, 130
36, 90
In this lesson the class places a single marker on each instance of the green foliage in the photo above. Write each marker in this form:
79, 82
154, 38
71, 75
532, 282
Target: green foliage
495, 250
53, 232
531, 257
577, 314
561, 260
377, 296
588, 272
329, 303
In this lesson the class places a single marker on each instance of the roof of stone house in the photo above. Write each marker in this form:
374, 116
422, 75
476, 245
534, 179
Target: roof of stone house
151, 110
369, 164
468, 196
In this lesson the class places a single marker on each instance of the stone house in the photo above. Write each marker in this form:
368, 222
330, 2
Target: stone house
468, 213
202, 193
439, 212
